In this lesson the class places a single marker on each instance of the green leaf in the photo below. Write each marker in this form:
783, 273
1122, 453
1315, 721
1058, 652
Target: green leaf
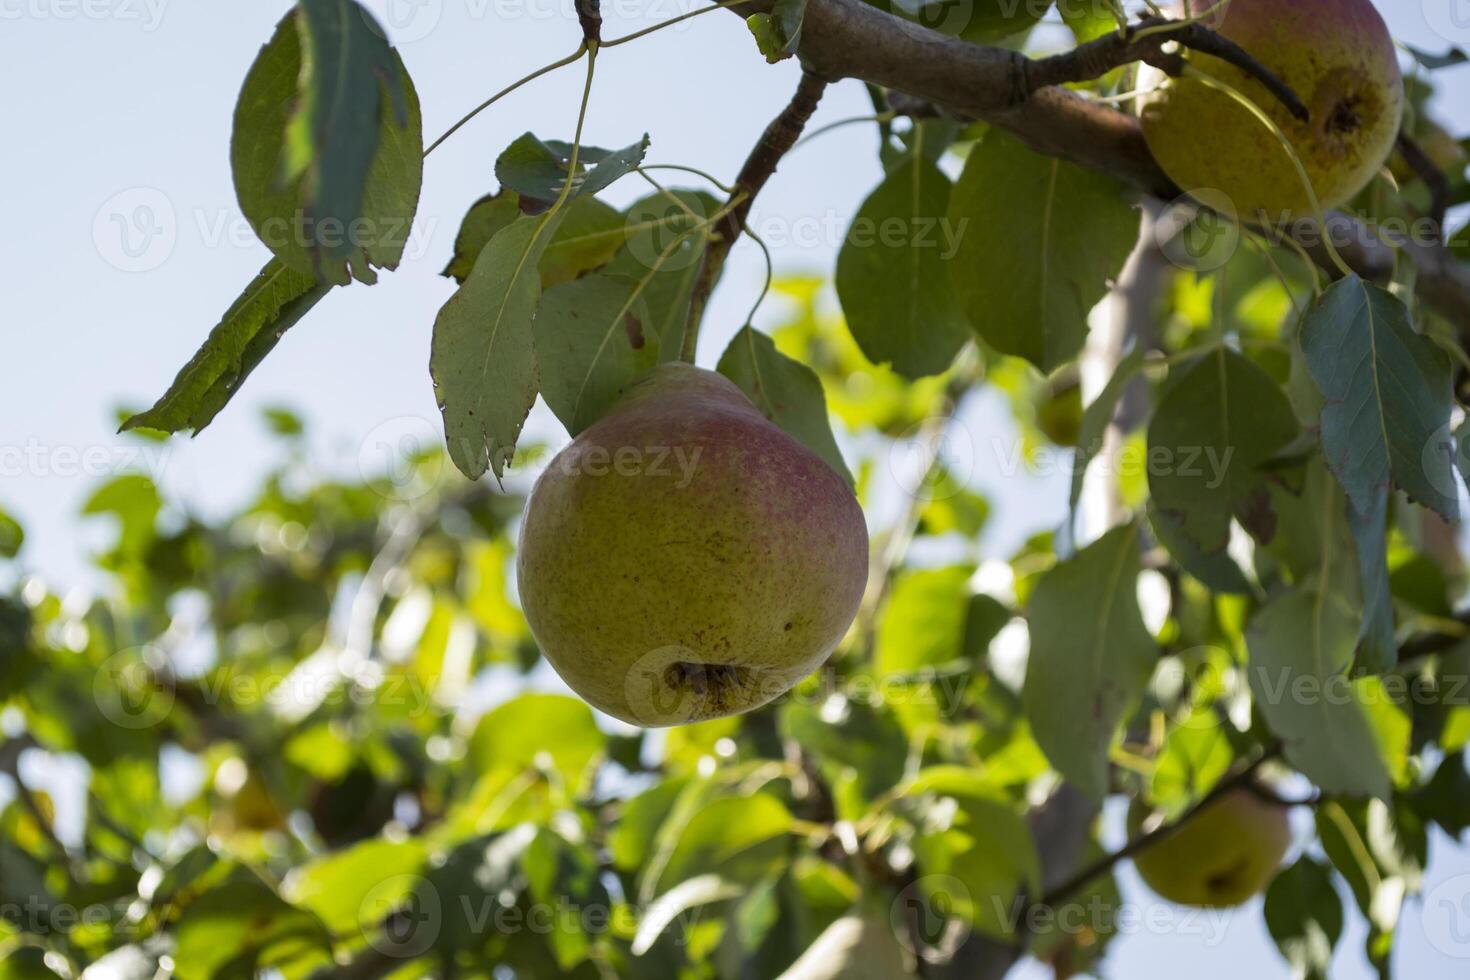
613, 166
561, 874
241, 927
663, 236
481, 222
533, 169
538, 170
985, 845
893, 273
787, 392
1196, 754
633, 834
1377, 649
741, 839
1304, 916
483, 360
1220, 418
1216, 569
273, 303
1300, 648
1388, 397
591, 344
589, 235
691, 893
12, 536
1039, 241
862, 744
541, 731
778, 33
1095, 421
923, 623
1091, 657
327, 149
354, 888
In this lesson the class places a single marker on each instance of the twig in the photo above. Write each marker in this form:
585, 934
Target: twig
1104, 864
1145, 42
779, 137
1440, 192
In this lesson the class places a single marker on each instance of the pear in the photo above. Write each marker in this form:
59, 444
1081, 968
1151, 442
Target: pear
1219, 857
1337, 55
684, 558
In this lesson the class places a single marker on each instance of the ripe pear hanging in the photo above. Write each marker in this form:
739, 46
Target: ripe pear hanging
685, 559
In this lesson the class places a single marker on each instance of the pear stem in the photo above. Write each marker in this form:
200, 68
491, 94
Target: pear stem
780, 136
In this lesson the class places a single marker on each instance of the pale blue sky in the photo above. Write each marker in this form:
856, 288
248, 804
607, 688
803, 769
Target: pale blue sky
133, 98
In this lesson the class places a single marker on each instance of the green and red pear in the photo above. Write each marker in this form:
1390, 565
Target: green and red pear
685, 559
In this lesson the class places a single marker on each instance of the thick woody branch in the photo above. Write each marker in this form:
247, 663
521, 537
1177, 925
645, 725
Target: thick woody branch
851, 39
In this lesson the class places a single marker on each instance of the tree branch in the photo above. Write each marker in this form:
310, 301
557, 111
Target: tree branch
779, 137
851, 39
1066, 889
1434, 178
1098, 57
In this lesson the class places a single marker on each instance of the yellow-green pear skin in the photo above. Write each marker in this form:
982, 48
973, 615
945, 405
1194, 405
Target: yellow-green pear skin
1221, 856
685, 559
1339, 58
